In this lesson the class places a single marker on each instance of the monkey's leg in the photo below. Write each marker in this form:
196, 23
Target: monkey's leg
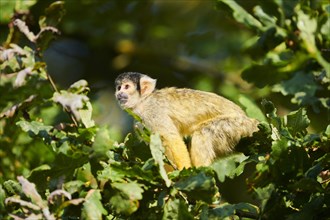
219, 137
201, 150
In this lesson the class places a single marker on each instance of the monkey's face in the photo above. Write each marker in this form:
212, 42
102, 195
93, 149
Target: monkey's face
127, 94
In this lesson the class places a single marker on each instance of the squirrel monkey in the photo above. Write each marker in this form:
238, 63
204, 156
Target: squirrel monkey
215, 124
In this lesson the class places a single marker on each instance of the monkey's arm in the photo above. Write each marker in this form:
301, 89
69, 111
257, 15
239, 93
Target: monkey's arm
176, 151
175, 148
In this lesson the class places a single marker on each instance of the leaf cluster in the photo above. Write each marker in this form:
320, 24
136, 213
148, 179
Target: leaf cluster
290, 50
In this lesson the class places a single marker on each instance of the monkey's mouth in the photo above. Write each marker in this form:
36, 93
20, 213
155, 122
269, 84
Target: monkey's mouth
122, 101
122, 98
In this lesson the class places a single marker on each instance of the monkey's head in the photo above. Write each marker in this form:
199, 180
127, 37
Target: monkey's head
131, 87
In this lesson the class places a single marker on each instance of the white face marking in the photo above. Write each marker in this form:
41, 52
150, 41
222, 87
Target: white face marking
127, 94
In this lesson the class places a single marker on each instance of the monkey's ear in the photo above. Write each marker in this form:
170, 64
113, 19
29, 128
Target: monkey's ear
147, 85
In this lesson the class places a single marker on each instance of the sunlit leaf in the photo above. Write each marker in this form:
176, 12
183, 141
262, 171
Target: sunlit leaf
176, 209
2, 197
279, 148
241, 15
8, 8
12, 187
74, 186
71, 101
307, 26
29, 190
79, 87
157, 152
86, 115
133, 190
265, 18
252, 110
15, 108
117, 172
35, 127
325, 28
20, 79
126, 199
92, 207
102, 142
25, 29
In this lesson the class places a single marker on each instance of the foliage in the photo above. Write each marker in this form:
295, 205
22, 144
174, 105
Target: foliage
291, 52
66, 166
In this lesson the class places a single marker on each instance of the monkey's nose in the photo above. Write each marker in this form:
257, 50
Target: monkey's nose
122, 97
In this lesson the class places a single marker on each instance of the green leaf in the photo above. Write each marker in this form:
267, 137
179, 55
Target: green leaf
35, 128
21, 25
107, 173
176, 209
327, 131
121, 205
264, 46
71, 101
264, 194
30, 191
157, 152
45, 36
12, 187
93, 208
79, 87
126, 198
132, 190
297, 121
275, 121
325, 30
116, 172
252, 110
229, 210
102, 143
198, 184
308, 26
242, 16
8, 9
279, 148
230, 166
54, 14
303, 87
21, 77
222, 212
74, 186
63, 168
2, 199
265, 18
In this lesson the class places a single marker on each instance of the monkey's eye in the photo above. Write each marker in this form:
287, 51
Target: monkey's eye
118, 88
126, 86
